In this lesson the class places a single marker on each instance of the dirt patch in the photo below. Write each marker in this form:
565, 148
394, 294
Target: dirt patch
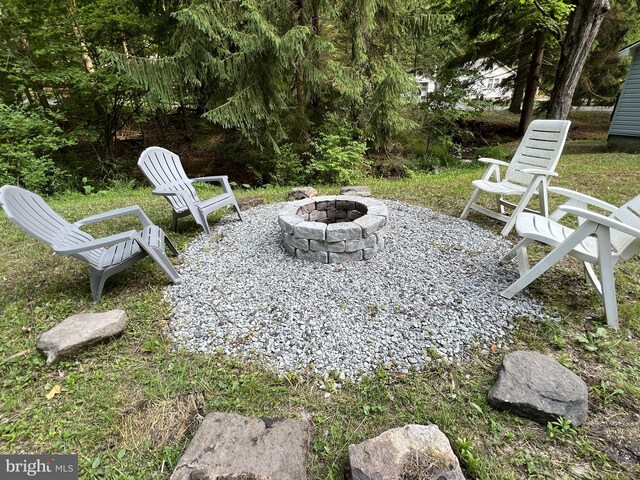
151, 427
617, 435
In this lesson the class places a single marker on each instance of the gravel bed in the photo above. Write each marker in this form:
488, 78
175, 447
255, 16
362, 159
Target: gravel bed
432, 293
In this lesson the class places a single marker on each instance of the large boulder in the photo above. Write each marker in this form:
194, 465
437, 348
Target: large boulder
78, 331
536, 386
232, 447
409, 452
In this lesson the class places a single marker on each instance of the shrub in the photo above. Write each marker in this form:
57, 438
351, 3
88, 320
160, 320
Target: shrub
336, 155
287, 166
27, 139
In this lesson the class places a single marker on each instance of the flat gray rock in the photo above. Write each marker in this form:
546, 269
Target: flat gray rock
359, 191
302, 192
232, 447
80, 330
412, 451
536, 386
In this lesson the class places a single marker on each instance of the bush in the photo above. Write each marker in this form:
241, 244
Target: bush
337, 154
287, 166
27, 138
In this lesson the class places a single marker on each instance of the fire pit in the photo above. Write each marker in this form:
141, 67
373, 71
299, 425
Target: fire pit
334, 229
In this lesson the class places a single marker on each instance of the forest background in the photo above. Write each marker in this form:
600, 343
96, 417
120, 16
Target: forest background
283, 92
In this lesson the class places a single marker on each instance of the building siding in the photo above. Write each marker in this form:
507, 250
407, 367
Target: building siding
626, 118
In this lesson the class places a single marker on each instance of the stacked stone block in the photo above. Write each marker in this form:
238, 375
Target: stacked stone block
334, 229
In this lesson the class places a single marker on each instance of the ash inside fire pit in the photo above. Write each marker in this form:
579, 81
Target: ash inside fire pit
334, 229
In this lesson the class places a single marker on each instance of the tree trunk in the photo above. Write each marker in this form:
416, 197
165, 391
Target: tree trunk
533, 80
87, 61
515, 106
584, 24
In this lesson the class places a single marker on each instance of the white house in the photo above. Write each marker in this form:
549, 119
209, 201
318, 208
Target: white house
491, 77
624, 130
487, 86
426, 85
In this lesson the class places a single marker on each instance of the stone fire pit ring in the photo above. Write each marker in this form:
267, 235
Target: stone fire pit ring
334, 229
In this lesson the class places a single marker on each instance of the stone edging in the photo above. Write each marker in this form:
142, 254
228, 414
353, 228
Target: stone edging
334, 229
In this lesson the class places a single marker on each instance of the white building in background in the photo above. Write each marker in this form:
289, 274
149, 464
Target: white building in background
426, 86
487, 86
491, 78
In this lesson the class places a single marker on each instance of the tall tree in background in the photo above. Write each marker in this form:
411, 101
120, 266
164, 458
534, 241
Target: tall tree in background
515, 32
347, 58
53, 60
604, 71
584, 23
533, 81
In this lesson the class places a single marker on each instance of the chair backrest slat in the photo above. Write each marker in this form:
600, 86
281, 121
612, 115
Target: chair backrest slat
163, 167
32, 214
34, 217
627, 245
540, 148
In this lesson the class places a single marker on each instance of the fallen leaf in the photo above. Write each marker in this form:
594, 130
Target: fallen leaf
53, 392
494, 348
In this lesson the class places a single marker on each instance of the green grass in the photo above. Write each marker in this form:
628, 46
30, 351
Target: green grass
129, 407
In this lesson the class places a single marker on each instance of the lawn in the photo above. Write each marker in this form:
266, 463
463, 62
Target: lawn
130, 406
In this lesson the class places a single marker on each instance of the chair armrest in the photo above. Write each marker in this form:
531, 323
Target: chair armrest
119, 212
538, 171
98, 243
223, 180
493, 161
602, 220
217, 178
581, 197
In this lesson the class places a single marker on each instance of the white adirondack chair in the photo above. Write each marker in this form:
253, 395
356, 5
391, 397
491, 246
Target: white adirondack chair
527, 174
163, 169
598, 240
105, 256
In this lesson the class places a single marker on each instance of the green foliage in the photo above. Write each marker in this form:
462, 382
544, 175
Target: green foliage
287, 166
467, 454
593, 341
336, 159
271, 69
53, 62
499, 152
28, 137
442, 119
607, 392
561, 429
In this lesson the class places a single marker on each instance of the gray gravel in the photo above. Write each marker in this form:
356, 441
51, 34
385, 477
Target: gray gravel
431, 294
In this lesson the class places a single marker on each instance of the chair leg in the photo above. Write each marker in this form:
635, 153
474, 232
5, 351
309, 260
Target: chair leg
523, 244
472, 200
605, 262
524, 201
171, 246
500, 204
161, 259
592, 278
549, 260
205, 224
96, 280
174, 222
237, 207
